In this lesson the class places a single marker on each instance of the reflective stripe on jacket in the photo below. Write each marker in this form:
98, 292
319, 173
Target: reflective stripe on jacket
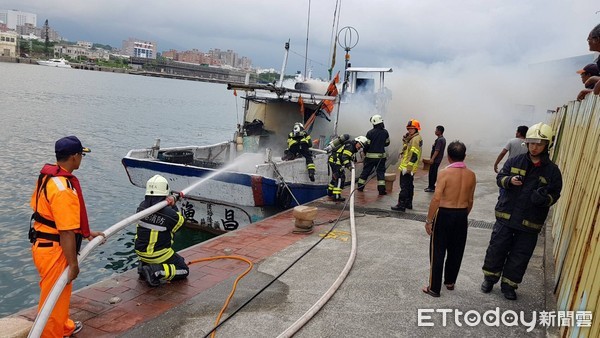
411, 153
516, 204
155, 233
344, 154
301, 138
379, 138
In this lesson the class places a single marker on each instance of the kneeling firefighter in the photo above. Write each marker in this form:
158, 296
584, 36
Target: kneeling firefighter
299, 143
340, 159
154, 236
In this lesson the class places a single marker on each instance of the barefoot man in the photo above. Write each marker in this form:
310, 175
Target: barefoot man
447, 219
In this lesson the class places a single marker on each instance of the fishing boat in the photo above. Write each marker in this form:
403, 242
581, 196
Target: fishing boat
59, 63
248, 169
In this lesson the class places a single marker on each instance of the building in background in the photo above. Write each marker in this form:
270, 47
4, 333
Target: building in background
214, 57
13, 18
8, 43
139, 48
80, 52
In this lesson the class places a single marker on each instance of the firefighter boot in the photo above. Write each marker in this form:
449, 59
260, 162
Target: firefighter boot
508, 291
381, 189
311, 174
149, 272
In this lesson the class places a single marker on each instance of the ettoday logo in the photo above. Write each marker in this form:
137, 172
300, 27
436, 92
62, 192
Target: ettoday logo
496, 318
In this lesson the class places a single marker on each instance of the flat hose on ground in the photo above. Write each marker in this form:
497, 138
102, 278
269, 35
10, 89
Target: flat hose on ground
333, 288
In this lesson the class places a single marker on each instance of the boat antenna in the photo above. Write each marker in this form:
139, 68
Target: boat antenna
347, 39
334, 36
306, 48
287, 51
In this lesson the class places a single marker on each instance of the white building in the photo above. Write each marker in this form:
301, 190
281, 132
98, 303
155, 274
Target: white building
75, 52
13, 18
139, 48
84, 44
8, 43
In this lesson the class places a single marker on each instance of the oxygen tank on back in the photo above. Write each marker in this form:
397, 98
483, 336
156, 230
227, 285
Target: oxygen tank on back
336, 142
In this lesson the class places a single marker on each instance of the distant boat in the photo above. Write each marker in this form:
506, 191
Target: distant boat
59, 63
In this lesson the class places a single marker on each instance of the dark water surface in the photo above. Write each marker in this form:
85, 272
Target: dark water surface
111, 114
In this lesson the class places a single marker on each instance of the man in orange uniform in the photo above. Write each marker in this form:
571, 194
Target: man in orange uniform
59, 223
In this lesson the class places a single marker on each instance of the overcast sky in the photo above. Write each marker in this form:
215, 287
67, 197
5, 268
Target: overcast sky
450, 58
391, 31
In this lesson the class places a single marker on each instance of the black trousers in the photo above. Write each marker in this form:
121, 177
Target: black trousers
508, 253
338, 178
407, 190
369, 164
301, 150
433, 171
449, 236
173, 268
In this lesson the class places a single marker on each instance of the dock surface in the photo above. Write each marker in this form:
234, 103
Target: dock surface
381, 296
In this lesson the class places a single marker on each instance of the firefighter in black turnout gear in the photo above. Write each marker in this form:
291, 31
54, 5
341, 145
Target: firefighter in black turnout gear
339, 159
154, 237
375, 155
532, 184
299, 143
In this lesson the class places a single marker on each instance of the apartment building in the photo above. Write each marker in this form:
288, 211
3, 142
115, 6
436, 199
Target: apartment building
139, 48
13, 18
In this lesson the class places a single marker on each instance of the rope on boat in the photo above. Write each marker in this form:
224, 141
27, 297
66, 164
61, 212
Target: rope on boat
283, 181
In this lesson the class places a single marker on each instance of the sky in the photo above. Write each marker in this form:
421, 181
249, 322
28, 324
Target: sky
451, 59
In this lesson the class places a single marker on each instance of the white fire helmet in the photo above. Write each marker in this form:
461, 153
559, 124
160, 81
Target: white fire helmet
362, 140
157, 186
376, 119
298, 127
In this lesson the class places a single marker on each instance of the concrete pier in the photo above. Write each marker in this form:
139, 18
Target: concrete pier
381, 297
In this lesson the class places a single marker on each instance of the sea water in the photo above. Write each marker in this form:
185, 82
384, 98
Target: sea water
110, 113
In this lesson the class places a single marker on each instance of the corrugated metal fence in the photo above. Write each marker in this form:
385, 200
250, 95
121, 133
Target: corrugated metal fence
574, 222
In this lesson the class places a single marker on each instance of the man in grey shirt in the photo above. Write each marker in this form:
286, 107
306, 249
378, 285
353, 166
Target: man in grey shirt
514, 146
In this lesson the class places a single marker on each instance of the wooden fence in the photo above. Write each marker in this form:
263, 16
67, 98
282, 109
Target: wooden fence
574, 222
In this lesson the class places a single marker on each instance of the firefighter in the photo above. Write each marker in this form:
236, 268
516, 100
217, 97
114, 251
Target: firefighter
375, 156
532, 183
340, 159
409, 161
154, 236
299, 143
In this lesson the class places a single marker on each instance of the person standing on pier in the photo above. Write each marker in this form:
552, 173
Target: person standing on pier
532, 184
375, 155
437, 155
409, 161
154, 236
447, 219
58, 225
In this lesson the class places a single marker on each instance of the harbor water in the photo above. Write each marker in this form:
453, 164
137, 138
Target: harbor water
111, 114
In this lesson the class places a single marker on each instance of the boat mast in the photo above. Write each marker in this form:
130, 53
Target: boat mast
287, 51
306, 48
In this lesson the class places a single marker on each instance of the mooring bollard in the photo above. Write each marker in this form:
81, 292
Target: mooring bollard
304, 218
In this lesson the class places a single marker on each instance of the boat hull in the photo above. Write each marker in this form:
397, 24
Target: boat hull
235, 188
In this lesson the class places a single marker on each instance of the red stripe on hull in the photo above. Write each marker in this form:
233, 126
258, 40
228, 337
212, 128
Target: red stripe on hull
257, 190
